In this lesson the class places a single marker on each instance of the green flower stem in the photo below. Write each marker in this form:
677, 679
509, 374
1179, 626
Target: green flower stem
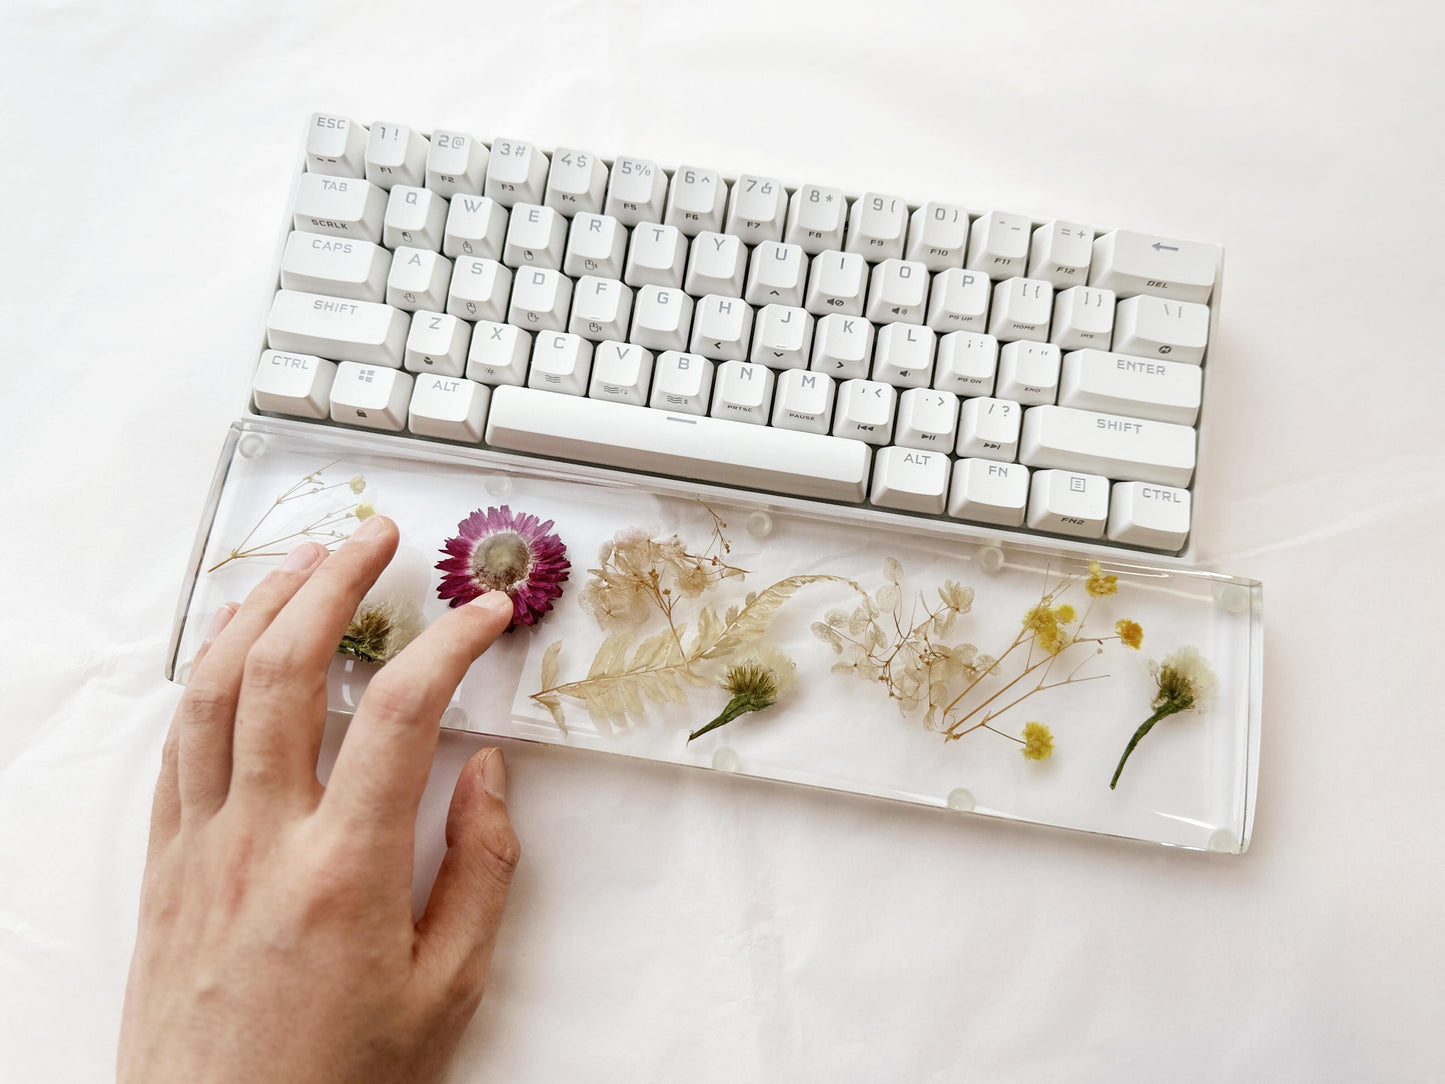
1144, 728
740, 704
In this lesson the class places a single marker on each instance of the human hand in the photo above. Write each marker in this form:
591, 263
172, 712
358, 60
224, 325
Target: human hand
276, 937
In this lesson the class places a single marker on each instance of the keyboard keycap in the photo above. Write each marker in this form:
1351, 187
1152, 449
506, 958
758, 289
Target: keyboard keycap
904, 355
456, 164
1028, 373
297, 384
1163, 391
803, 401
877, 226
395, 154
988, 429
448, 408
816, 218
336, 146
716, 266
516, 173
536, 237
696, 201
1158, 327
636, 191
621, 372
661, 318
476, 226
372, 396
596, 245
967, 363
1132, 263
657, 256
1149, 516
601, 309
577, 182
499, 354
835, 284
437, 343
1066, 502
757, 209
909, 480
985, 491
344, 206
777, 275
938, 236
343, 267
479, 289
865, 411
897, 291
329, 327
1127, 449
999, 245
722, 328
842, 346
1083, 318
1060, 254
560, 363
682, 382
958, 301
418, 279
661, 442
742, 392
782, 337
927, 419
541, 299
1021, 310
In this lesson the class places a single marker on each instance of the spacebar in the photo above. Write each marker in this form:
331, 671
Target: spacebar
658, 442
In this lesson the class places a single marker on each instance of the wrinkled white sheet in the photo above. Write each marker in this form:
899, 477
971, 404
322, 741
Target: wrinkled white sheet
667, 924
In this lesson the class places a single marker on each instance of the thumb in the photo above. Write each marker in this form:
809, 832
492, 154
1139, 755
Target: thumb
459, 928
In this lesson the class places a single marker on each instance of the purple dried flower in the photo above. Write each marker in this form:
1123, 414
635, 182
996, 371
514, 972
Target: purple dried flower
499, 550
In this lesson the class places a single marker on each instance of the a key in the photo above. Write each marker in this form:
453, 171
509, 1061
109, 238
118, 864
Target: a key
343, 206
325, 264
1139, 263
897, 292
967, 363
560, 362
842, 346
927, 419
682, 382
541, 300
601, 309
456, 164
1150, 516
373, 396
777, 275
516, 173
657, 256
1163, 391
1161, 327
414, 217
418, 279
621, 372
722, 328
1060, 254
479, 290
437, 343
476, 226
716, 265
986, 491
904, 355
499, 354
742, 392
577, 182
1083, 318
803, 401
336, 146
449, 408
998, 245
1068, 502
664, 442
395, 154
636, 191
782, 337
1028, 373
536, 237
1021, 310
757, 209
696, 201
1125, 449
909, 480
661, 318
334, 328
877, 226
596, 245
816, 218
296, 384
938, 236
835, 284
989, 429
958, 301
865, 411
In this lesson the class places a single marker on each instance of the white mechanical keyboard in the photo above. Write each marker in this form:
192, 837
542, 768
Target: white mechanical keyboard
915, 359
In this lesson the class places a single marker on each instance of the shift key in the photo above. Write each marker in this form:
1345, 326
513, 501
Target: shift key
1124, 449
337, 328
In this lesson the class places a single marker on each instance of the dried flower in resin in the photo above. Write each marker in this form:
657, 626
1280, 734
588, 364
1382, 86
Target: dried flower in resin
380, 629
754, 682
1185, 683
1130, 634
498, 550
1038, 742
1098, 585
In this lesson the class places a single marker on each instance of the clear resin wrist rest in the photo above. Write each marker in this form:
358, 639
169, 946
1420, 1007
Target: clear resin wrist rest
932, 663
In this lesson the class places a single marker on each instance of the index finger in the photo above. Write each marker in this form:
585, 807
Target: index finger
384, 761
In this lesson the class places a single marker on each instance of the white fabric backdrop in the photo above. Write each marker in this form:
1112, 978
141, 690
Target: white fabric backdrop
666, 924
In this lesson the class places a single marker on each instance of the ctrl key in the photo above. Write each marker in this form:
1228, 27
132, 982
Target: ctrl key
296, 384
374, 396
1149, 516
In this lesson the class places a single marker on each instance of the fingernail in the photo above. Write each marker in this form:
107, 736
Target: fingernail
494, 775
370, 527
498, 602
302, 557
220, 621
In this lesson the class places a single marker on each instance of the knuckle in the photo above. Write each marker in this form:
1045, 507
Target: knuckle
270, 662
203, 700
391, 700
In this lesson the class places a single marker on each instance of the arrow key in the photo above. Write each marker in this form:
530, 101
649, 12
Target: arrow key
782, 338
777, 274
